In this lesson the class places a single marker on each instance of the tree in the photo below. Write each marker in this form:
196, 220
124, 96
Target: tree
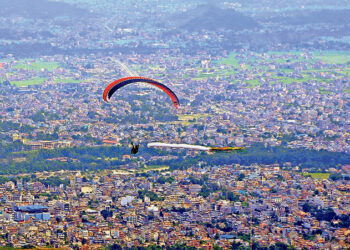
115, 247
106, 214
236, 245
335, 177
281, 246
241, 177
205, 192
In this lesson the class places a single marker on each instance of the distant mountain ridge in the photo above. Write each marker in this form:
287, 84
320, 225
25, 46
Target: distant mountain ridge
209, 17
38, 9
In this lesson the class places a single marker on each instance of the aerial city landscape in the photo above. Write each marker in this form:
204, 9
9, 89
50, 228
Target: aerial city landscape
234, 132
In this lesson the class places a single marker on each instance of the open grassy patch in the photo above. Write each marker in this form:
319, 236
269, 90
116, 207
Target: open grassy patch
253, 83
288, 80
324, 176
25, 83
66, 80
201, 76
334, 57
50, 66
281, 53
230, 60
154, 168
324, 91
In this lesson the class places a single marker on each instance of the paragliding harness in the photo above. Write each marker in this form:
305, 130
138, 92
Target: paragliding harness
135, 148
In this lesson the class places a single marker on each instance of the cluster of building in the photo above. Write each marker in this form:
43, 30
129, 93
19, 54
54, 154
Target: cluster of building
294, 99
245, 204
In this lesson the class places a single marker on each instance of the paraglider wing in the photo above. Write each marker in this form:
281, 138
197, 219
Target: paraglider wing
185, 146
114, 86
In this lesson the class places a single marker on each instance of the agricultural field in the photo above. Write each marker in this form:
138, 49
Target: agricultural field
334, 57
324, 176
26, 72
66, 80
230, 60
253, 83
38, 66
154, 168
25, 83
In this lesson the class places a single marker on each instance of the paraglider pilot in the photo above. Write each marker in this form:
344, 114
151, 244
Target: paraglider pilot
135, 148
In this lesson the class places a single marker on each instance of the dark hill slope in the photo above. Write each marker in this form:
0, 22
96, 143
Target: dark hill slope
209, 17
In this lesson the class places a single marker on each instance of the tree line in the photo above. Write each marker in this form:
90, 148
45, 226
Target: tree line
106, 157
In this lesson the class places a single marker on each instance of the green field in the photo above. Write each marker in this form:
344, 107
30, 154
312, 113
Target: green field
50, 66
25, 83
324, 91
281, 53
324, 176
154, 168
287, 80
334, 57
253, 83
230, 60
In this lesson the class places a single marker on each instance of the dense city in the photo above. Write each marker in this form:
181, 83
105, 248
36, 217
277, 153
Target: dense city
200, 207
303, 100
271, 78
